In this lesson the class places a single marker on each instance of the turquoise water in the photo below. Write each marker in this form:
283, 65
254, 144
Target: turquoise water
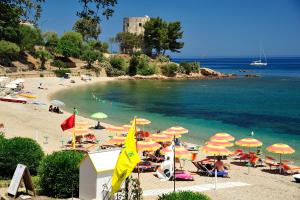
269, 106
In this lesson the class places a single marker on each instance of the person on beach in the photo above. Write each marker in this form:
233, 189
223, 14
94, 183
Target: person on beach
219, 165
50, 108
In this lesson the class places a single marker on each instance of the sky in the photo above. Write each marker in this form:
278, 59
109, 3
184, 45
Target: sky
212, 28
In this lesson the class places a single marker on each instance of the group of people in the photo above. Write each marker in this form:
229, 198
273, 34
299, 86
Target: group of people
54, 109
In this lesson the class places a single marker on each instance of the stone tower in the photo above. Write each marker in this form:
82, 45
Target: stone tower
135, 24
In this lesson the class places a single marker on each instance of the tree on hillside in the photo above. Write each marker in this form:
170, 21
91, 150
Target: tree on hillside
88, 28
50, 41
129, 42
161, 36
8, 51
29, 37
90, 54
70, 44
43, 55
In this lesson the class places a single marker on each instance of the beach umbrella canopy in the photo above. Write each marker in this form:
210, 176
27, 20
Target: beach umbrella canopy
161, 137
142, 121
117, 140
99, 115
82, 124
128, 126
224, 143
176, 131
249, 142
116, 129
215, 150
81, 131
57, 103
222, 136
147, 146
281, 149
180, 152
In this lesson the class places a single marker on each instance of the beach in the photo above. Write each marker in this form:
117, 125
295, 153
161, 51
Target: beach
28, 120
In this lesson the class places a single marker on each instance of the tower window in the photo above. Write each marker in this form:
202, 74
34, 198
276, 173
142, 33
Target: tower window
140, 24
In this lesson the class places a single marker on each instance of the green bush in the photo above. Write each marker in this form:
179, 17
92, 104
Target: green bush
117, 63
140, 65
70, 44
29, 37
19, 151
110, 71
9, 50
132, 69
61, 72
169, 69
184, 195
189, 67
162, 58
58, 172
58, 63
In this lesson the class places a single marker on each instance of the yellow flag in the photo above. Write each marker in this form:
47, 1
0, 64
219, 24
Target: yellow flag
127, 160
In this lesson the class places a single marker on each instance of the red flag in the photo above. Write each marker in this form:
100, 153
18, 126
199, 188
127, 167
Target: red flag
68, 123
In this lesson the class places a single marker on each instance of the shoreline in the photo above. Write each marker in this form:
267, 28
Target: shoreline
27, 120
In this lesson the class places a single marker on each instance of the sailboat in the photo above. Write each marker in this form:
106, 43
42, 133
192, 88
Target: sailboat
260, 62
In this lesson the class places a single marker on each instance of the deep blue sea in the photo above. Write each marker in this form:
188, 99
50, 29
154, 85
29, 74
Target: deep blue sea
269, 105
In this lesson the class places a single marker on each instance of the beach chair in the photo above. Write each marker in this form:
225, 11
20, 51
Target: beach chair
153, 158
236, 153
271, 162
255, 161
145, 166
289, 169
208, 170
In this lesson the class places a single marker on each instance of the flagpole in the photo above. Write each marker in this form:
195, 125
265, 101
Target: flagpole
174, 173
73, 149
137, 152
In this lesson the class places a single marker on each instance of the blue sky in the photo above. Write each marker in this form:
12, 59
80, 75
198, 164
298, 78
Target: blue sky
212, 28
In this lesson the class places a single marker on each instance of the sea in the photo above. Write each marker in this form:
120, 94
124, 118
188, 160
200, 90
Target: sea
265, 107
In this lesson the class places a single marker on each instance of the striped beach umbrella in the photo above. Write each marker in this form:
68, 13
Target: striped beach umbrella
116, 129
147, 146
249, 142
82, 124
180, 152
224, 143
142, 121
222, 136
81, 131
280, 149
215, 150
118, 140
161, 137
176, 131
128, 126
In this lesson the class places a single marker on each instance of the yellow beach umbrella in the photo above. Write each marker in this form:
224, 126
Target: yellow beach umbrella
280, 149
180, 152
224, 143
147, 146
116, 129
222, 136
142, 121
215, 150
118, 140
161, 137
249, 142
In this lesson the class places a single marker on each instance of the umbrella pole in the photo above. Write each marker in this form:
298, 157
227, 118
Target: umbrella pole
249, 162
174, 173
280, 165
215, 173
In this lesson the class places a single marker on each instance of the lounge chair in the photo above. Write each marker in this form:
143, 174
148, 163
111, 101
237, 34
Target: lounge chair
271, 162
154, 158
289, 169
237, 152
208, 170
255, 161
145, 166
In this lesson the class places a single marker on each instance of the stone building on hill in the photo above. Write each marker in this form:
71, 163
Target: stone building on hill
135, 24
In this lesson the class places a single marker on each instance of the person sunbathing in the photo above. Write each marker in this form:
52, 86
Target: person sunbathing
219, 165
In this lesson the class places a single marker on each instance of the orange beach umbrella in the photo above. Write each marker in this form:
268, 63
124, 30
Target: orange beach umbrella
180, 152
161, 137
82, 124
222, 136
215, 150
116, 129
281, 149
128, 126
249, 142
142, 121
224, 143
117, 140
147, 146
80, 131
176, 131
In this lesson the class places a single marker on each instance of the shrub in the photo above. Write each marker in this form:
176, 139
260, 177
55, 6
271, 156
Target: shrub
140, 65
9, 50
42, 75
162, 58
58, 172
58, 63
132, 69
70, 44
189, 67
110, 71
117, 63
169, 69
90, 56
61, 72
19, 151
184, 195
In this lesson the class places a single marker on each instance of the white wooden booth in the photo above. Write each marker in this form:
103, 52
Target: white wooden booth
96, 171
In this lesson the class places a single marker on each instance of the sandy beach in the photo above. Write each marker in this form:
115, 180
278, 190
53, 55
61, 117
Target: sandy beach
28, 120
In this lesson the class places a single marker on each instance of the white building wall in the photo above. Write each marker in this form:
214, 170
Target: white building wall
87, 180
